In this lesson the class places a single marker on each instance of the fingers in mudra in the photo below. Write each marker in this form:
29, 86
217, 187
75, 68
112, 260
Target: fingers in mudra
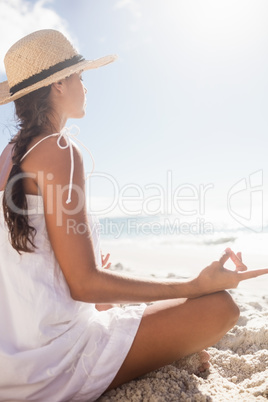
241, 270
216, 277
237, 260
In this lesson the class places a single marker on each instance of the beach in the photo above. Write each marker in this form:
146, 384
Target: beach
239, 361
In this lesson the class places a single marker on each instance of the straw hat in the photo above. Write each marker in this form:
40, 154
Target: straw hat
38, 60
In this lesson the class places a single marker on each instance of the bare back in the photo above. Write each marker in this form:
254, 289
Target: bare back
5, 165
30, 186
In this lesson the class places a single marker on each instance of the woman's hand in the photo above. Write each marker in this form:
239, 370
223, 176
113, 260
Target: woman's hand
104, 260
215, 277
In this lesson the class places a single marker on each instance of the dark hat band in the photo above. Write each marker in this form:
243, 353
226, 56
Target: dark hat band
46, 73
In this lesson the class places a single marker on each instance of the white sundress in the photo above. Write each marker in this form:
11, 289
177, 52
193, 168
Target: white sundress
53, 348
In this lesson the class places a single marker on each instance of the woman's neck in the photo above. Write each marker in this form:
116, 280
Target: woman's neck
57, 121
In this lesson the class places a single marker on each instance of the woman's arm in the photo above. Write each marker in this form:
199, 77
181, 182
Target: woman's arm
69, 234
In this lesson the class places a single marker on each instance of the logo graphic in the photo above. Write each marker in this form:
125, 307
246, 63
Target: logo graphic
245, 201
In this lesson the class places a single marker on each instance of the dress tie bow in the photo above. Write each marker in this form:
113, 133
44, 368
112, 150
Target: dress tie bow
68, 135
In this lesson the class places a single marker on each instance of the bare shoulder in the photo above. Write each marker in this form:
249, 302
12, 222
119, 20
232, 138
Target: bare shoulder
49, 163
50, 151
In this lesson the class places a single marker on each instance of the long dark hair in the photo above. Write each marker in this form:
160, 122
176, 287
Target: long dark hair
32, 112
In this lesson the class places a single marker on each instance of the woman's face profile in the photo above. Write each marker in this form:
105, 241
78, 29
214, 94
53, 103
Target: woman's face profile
75, 96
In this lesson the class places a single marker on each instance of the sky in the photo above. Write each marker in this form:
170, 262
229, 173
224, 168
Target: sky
184, 106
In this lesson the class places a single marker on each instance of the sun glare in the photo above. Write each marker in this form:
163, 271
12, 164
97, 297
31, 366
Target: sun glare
210, 21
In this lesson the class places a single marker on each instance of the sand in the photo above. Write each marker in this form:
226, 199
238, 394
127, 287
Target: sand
238, 372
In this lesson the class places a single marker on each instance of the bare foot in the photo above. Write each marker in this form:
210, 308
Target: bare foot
204, 360
195, 363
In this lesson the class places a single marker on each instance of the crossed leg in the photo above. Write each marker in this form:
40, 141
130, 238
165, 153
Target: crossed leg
172, 329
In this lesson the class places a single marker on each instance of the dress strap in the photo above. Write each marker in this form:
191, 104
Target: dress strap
67, 135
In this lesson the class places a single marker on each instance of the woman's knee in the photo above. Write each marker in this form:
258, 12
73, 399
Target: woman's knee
226, 308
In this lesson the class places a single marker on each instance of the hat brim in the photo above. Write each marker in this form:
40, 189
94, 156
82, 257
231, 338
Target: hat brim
6, 97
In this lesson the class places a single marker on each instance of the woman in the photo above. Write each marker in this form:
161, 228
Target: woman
54, 343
